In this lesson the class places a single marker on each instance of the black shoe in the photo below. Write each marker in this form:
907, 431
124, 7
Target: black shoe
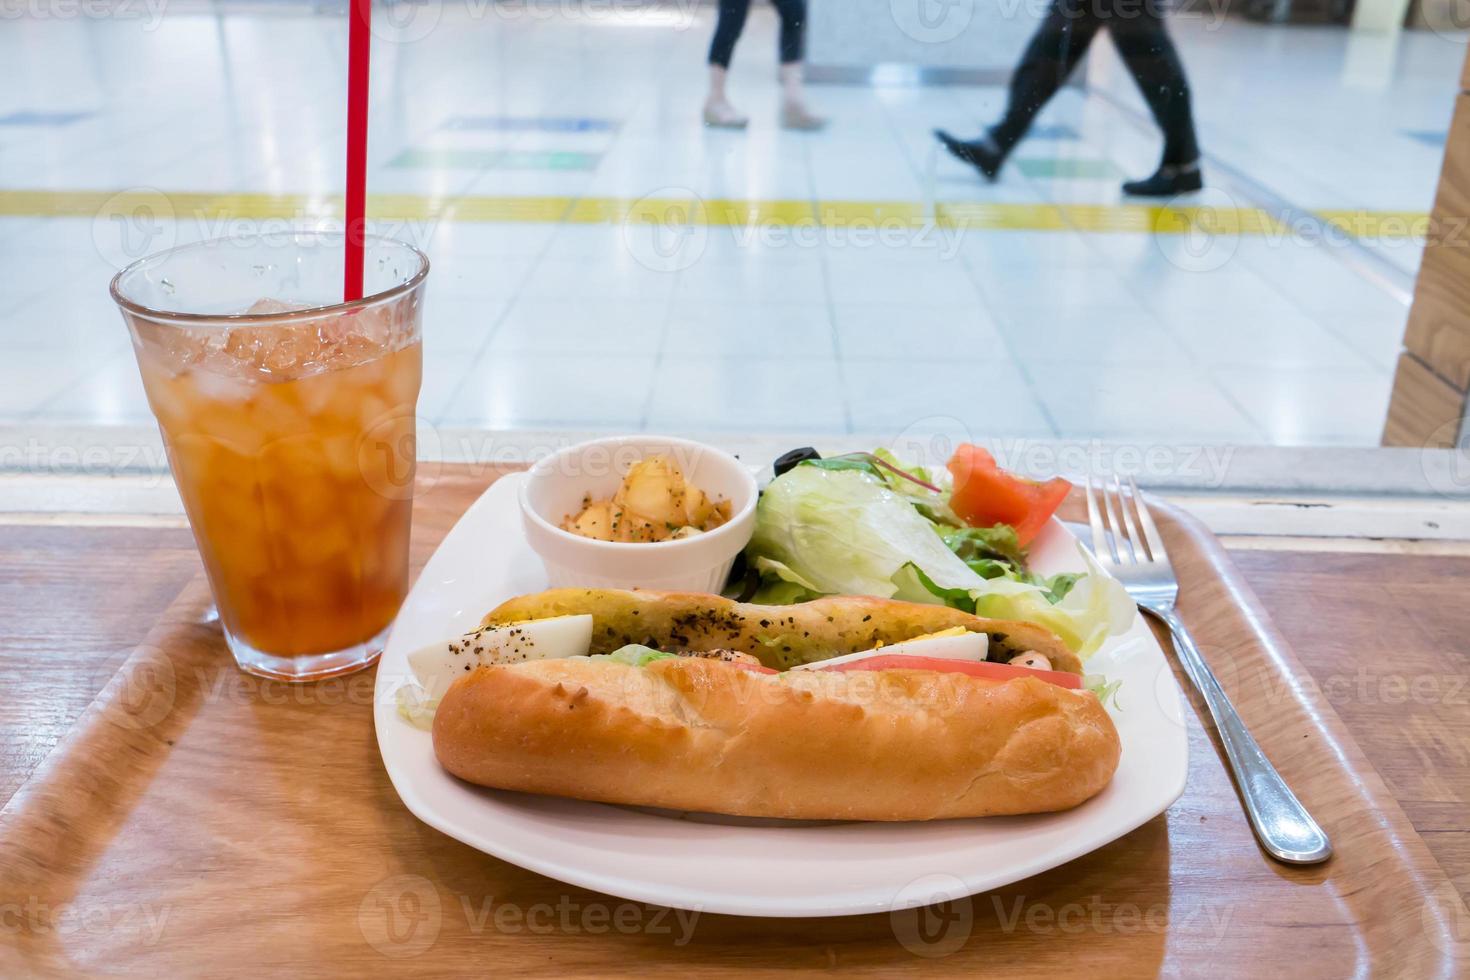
1167, 182
983, 154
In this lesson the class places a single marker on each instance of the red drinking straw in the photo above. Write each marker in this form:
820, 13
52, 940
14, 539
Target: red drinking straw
359, 46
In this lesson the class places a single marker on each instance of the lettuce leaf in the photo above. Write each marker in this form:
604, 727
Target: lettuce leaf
856, 461
1058, 585
416, 706
1094, 608
981, 545
935, 507
635, 655
843, 530
1104, 689
780, 586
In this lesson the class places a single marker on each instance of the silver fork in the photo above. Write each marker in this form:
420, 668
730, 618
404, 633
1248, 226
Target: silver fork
1284, 827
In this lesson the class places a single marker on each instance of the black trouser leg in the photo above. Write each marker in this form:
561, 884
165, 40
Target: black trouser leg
727, 31
793, 29
1056, 47
1152, 60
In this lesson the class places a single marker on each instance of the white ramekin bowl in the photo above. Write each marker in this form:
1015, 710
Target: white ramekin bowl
557, 485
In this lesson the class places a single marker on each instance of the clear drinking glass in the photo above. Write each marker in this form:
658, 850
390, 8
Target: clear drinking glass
289, 422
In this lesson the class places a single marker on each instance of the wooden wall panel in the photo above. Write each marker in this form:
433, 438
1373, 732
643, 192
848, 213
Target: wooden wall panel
1422, 404
1428, 406
1439, 323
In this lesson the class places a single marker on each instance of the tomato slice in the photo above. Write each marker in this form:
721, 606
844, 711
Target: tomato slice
986, 495
990, 671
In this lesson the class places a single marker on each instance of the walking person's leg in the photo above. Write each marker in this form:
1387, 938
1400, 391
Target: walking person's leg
1144, 44
717, 108
794, 112
1054, 50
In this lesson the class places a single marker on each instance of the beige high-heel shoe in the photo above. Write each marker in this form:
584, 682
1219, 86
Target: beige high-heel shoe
794, 113
795, 116
722, 115
718, 112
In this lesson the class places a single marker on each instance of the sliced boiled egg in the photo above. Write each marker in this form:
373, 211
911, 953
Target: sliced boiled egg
437, 666
956, 643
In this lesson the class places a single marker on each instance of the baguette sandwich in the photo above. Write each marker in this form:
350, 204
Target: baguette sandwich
844, 708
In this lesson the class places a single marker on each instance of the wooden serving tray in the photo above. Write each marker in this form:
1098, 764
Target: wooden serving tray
200, 822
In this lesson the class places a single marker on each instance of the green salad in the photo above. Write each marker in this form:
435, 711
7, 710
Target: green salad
870, 524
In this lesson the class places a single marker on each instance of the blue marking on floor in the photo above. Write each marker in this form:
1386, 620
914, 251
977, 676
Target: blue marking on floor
530, 124
1057, 132
1430, 137
31, 117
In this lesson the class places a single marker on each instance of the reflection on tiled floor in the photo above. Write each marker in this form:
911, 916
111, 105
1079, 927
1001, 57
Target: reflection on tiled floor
1051, 310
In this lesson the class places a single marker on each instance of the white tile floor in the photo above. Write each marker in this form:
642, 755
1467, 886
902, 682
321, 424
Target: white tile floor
1017, 331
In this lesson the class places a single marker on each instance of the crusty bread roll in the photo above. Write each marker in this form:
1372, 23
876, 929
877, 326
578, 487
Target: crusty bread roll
690, 734
781, 636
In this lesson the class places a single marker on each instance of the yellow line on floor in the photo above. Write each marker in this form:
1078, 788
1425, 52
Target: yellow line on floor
1378, 224
1018, 217
215, 209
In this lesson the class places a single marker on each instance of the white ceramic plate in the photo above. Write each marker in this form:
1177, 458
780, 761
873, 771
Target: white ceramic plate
748, 868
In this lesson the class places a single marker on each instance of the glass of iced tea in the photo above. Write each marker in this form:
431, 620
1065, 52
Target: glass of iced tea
289, 422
